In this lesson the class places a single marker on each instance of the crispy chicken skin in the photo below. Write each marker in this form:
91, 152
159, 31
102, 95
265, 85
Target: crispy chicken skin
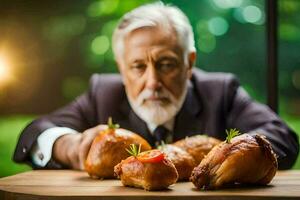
108, 149
245, 159
197, 146
182, 160
150, 176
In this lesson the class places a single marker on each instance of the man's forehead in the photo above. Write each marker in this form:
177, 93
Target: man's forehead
153, 39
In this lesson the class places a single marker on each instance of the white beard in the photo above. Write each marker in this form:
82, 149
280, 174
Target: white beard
157, 112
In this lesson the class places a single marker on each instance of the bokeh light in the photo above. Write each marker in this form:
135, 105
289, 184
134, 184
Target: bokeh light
5, 70
225, 4
252, 14
206, 41
218, 26
238, 15
109, 27
3, 67
100, 45
104, 7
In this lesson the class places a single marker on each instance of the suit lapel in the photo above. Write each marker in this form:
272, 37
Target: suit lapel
188, 121
139, 126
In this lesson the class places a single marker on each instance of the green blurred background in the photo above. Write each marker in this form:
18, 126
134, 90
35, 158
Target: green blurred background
49, 49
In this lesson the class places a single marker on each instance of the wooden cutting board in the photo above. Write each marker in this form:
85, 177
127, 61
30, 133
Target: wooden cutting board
68, 184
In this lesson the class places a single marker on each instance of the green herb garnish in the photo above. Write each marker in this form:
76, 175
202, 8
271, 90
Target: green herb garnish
111, 125
231, 134
162, 145
134, 150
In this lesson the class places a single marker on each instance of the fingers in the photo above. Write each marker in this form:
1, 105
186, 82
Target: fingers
76, 147
84, 148
86, 142
72, 151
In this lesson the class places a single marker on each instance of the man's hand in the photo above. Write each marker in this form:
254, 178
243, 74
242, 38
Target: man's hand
71, 150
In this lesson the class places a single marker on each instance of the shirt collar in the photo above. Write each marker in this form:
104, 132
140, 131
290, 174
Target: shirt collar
168, 125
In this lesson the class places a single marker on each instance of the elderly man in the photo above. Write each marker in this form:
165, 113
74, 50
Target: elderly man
158, 91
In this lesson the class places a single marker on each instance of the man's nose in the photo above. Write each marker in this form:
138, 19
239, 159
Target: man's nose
153, 81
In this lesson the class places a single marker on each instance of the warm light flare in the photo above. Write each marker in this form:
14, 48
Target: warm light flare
5, 71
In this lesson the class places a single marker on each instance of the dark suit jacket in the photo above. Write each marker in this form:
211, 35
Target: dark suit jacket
214, 102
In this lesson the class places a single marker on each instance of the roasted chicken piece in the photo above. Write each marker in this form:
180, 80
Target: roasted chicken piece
197, 146
150, 170
245, 159
182, 160
108, 149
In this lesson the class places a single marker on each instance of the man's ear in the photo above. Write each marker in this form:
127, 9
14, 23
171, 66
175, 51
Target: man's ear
192, 59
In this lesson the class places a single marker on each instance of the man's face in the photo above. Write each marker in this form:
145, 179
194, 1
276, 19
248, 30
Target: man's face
154, 73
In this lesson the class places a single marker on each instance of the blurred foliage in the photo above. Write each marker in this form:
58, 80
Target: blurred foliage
10, 127
230, 37
70, 41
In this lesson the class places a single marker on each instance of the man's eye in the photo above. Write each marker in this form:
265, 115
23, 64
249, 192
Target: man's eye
138, 67
167, 66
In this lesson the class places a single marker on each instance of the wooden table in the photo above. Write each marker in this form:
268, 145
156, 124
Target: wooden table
68, 184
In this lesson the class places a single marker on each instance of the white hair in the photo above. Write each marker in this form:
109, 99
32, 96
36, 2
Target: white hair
155, 15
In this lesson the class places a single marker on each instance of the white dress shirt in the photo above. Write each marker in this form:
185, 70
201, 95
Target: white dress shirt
41, 152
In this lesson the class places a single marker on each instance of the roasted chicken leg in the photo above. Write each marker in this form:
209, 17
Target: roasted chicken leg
182, 160
245, 159
108, 149
197, 146
150, 170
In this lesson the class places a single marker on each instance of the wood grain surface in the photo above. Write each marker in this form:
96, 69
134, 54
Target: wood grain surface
68, 184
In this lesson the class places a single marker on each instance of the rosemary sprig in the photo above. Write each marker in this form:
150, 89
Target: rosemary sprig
134, 150
231, 134
111, 125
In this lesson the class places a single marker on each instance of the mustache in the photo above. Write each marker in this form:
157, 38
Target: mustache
161, 94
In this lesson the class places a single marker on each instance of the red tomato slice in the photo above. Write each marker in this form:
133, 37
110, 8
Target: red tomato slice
151, 156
